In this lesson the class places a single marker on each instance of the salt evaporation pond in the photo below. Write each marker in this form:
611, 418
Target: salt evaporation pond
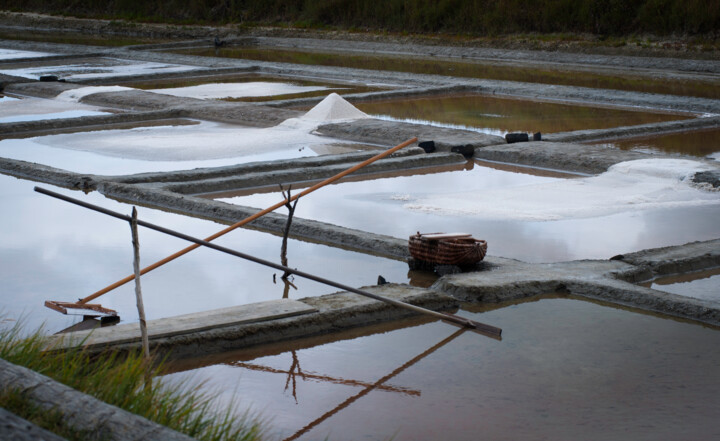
246, 87
697, 143
168, 148
506, 71
52, 250
92, 68
565, 369
704, 285
498, 116
634, 206
12, 54
36, 109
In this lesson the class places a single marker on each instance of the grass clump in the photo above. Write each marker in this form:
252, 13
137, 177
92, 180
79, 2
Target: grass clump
128, 382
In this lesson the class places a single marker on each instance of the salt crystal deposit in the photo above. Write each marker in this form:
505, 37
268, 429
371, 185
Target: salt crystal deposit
334, 108
631, 186
75, 95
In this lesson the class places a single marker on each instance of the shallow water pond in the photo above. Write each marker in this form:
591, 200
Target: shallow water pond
252, 87
52, 250
468, 69
175, 145
697, 143
70, 38
525, 217
565, 368
35, 109
704, 285
90, 68
499, 116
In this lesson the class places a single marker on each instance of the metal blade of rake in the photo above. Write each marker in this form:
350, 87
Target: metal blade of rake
480, 327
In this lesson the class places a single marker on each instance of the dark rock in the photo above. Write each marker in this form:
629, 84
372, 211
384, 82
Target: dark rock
48, 78
466, 150
711, 177
428, 146
537, 136
381, 280
516, 137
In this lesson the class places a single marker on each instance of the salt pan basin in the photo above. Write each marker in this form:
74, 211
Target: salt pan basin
35, 109
237, 90
636, 205
52, 250
12, 54
167, 148
97, 68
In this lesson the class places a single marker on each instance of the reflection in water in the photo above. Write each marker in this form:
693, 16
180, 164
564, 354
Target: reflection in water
469, 69
371, 387
169, 147
697, 143
379, 206
704, 285
186, 83
79, 252
499, 116
565, 368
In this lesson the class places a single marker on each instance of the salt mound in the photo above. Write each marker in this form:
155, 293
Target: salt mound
75, 95
333, 108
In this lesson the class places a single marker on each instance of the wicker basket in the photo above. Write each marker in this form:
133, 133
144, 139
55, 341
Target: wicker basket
464, 250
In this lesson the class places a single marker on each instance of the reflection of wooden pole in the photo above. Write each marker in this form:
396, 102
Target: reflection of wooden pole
343, 381
373, 386
138, 290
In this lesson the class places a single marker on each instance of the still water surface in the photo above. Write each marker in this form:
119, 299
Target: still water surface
385, 206
565, 369
499, 116
52, 250
469, 69
697, 143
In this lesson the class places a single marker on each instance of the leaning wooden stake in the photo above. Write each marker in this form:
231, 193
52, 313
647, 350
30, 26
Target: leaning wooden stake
138, 290
247, 220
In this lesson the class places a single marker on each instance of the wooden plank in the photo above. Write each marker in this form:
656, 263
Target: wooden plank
438, 236
184, 324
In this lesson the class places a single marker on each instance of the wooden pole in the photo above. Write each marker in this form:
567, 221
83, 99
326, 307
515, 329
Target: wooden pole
248, 220
138, 290
482, 328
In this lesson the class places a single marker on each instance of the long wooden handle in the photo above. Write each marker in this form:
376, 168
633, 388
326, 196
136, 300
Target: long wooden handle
247, 220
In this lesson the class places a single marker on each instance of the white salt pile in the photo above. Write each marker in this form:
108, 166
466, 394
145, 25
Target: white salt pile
237, 90
631, 186
333, 108
75, 95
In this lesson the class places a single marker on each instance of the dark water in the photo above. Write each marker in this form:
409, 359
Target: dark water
502, 115
69, 38
566, 369
341, 89
697, 143
469, 69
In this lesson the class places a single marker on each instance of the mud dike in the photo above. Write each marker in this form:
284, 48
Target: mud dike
102, 83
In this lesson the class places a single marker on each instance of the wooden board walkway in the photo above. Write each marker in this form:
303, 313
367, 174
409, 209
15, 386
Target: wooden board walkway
182, 324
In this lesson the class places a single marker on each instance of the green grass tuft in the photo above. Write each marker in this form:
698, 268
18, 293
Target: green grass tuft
129, 382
